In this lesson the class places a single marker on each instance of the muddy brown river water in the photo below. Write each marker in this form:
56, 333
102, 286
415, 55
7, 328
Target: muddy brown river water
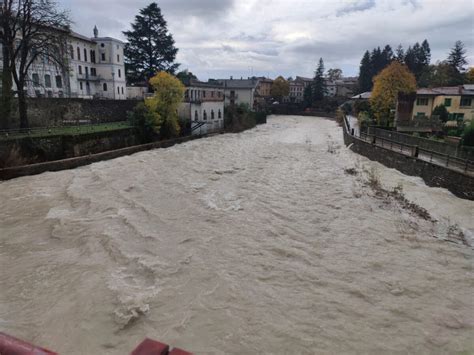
251, 243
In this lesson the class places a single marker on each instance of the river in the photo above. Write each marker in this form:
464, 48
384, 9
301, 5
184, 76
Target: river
270, 241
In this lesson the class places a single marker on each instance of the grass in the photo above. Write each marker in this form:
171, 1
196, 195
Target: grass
64, 131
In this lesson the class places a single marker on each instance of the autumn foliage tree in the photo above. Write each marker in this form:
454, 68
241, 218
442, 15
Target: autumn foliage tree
392, 80
168, 94
280, 88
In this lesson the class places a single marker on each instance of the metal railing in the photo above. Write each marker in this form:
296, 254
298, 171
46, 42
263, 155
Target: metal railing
446, 160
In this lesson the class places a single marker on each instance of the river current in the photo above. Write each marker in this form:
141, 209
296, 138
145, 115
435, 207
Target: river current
271, 241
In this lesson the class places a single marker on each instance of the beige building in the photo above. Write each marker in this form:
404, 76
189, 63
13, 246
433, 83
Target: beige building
458, 100
240, 91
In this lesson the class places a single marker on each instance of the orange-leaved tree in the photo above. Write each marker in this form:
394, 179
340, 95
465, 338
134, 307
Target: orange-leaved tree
280, 88
392, 80
169, 93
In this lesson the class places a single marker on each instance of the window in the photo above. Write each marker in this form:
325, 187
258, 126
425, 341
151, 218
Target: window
118, 58
422, 101
420, 114
212, 93
87, 71
204, 115
203, 93
105, 86
93, 72
78, 53
196, 116
122, 90
59, 81
458, 116
80, 69
103, 57
102, 45
118, 90
47, 81
466, 101
85, 55
92, 56
212, 114
119, 73
80, 85
36, 80
71, 50
50, 93
447, 102
219, 94
219, 114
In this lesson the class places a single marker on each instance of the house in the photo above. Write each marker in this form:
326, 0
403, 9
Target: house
93, 68
331, 88
237, 92
458, 100
263, 92
365, 96
296, 94
202, 109
346, 87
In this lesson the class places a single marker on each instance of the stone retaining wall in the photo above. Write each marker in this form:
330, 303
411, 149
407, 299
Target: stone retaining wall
459, 184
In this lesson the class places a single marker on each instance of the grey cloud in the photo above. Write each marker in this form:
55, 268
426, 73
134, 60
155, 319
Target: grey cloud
356, 7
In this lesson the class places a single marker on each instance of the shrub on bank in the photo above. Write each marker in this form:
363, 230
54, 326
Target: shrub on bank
468, 135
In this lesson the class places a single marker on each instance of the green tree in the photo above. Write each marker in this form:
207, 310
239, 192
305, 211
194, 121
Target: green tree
365, 73
168, 94
308, 96
457, 60
468, 135
280, 88
150, 47
400, 54
441, 112
392, 80
417, 58
319, 83
186, 76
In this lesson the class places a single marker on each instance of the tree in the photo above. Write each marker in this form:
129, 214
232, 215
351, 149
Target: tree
365, 73
308, 96
280, 88
392, 80
457, 57
387, 56
43, 30
468, 135
334, 74
417, 58
400, 54
150, 47
186, 76
169, 92
470, 76
319, 84
441, 112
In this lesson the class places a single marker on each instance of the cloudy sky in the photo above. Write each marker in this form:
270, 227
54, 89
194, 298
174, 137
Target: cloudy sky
219, 38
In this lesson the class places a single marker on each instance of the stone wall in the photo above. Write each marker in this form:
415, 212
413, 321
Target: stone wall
48, 112
461, 185
36, 150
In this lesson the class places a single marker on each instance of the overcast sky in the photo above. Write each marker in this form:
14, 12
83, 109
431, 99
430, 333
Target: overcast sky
219, 38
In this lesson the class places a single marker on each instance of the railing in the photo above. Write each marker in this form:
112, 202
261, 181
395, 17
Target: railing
449, 161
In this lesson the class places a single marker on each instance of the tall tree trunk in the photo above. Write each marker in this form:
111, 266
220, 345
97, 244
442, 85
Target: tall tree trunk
7, 93
22, 109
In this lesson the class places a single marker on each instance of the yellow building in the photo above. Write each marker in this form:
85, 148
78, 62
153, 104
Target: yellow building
458, 100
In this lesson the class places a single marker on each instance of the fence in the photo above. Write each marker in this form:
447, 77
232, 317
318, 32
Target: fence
401, 143
428, 144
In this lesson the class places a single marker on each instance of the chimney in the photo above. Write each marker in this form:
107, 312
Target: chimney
231, 77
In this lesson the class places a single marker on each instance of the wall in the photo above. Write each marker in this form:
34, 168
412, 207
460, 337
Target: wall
56, 112
459, 184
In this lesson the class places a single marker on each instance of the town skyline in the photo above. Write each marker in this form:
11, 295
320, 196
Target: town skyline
248, 39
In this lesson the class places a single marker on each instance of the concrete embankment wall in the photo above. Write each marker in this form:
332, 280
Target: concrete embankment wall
461, 185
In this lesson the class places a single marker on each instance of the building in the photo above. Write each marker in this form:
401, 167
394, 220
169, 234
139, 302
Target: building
458, 100
347, 87
331, 88
296, 94
237, 92
94, 69
202, 109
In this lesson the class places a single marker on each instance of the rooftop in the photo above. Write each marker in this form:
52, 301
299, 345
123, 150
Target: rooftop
447, 90
239, 84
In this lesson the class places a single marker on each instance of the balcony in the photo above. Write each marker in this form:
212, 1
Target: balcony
88, 77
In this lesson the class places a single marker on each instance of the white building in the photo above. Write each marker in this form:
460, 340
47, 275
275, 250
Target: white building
95, 69
203, 107
243, 91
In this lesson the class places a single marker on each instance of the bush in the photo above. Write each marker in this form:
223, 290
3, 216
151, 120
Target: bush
144, 120
468, 135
